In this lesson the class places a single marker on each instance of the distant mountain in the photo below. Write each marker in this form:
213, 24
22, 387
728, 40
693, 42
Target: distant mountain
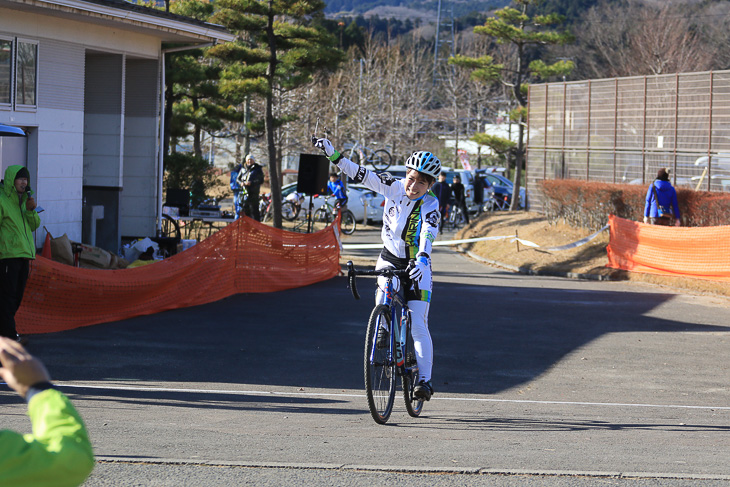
410, 8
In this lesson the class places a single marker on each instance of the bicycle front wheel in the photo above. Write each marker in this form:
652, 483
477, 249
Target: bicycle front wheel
266, 213
380, 160
347, 222
456, 218
490, 206
379, 367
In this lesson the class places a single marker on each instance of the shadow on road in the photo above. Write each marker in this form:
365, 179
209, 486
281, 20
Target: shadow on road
487, 338
534, 425
210, 400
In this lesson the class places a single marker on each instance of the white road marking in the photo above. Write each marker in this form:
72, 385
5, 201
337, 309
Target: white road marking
334, 394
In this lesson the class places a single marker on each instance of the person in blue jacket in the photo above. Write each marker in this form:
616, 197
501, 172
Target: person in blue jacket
58, 453
236, 188
661, 206
337, 188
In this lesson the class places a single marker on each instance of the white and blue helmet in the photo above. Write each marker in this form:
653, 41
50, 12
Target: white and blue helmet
424, 162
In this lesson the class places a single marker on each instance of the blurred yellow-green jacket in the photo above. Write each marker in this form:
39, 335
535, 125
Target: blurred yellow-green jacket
16, 223
57, 454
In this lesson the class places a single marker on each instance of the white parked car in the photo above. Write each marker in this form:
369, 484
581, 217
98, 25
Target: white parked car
361, 201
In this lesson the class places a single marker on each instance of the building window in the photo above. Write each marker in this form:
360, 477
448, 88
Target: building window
6, 71
26, 73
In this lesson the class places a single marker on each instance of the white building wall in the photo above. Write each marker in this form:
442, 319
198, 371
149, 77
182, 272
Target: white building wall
56, 162
139, 198
96, 37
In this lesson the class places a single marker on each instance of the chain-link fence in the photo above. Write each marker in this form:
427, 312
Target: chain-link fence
622, 130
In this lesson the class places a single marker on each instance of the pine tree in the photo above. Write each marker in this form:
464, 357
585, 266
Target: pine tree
515, 27
192, 106
276, 50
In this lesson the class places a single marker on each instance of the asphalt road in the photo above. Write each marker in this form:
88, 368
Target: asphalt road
539, 381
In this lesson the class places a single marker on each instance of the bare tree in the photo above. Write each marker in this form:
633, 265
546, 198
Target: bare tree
616, 40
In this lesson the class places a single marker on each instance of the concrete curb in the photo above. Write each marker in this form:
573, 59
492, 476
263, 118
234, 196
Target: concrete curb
413, 469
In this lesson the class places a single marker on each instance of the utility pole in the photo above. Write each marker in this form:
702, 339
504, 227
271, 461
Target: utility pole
444, 36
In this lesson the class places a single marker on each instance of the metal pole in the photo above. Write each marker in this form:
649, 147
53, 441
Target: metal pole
643, 138
615, 126
527, 145
544, 136
709, 135
565, 123
160, 146
436, 44
676, 125
588, 141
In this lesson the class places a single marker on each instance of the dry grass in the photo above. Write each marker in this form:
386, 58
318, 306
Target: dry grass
590, 258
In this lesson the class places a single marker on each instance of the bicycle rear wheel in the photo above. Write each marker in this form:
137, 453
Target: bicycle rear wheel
169, 227
289, 211
410, 378
347, 222
380, 160
322, 216
379, 367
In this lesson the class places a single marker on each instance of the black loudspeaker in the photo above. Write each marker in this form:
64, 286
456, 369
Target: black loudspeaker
313, 174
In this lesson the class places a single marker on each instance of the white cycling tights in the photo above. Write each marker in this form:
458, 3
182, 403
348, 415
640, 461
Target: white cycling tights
421, 338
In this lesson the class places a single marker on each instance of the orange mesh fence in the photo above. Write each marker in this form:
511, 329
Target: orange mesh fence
699, 252
244, 257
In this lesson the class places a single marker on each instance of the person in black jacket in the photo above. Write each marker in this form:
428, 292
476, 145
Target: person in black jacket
250, 179
460, 196
442, 190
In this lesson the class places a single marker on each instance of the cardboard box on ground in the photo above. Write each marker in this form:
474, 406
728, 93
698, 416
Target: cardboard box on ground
89, 257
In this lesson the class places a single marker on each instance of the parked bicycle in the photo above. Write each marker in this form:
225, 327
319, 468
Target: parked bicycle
379, 159
396, 358
328, 212
289, 209
496, 203
266, 209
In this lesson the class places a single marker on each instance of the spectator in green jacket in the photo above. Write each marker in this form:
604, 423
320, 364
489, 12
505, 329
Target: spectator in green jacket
58, 453
18, 221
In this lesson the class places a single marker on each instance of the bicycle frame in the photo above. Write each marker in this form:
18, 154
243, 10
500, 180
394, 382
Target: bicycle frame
358, 149
399, 323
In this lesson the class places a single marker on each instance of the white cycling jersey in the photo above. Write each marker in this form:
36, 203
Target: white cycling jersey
409, 226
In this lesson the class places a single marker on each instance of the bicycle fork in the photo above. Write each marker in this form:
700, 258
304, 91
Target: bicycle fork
400, 344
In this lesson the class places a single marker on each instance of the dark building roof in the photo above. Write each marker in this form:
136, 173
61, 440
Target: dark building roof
124, 5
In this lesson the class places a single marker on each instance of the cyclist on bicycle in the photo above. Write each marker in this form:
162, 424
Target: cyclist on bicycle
337, 189
410, 225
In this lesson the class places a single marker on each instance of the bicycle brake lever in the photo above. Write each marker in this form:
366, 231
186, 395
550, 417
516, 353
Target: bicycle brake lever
351, 279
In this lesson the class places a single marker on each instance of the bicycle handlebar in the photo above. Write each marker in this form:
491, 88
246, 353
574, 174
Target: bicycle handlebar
352, 273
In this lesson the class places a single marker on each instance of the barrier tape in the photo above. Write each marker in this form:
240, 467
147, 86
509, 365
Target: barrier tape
514, 238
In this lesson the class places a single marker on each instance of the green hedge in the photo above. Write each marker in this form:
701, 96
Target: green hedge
587, 204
